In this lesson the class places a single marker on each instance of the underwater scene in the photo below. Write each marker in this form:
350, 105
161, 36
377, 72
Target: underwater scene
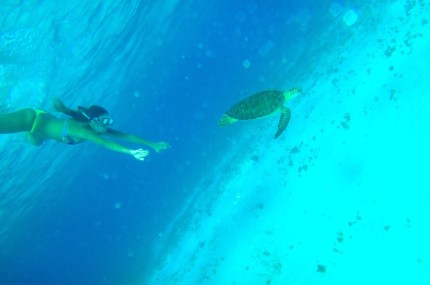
214, 142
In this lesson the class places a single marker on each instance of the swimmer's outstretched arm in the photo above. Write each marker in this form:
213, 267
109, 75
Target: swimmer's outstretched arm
139, 154
157, 146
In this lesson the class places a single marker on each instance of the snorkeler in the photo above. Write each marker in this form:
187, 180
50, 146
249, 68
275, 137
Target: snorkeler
92, 124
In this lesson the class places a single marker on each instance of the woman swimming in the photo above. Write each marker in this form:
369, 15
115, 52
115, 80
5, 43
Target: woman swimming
92, 124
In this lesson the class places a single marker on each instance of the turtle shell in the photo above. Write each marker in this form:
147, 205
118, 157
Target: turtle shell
258, 105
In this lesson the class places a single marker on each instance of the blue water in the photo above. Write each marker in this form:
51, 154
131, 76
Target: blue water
340, 198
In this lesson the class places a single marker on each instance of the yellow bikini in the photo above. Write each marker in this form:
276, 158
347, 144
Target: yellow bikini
38, 113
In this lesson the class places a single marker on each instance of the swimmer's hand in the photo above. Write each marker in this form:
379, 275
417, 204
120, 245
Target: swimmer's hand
139, 154
159, 146
59, 106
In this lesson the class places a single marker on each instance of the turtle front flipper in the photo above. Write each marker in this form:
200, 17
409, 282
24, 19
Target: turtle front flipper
283, 121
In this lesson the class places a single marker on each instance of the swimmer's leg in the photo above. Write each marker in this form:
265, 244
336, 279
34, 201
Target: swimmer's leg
19, 121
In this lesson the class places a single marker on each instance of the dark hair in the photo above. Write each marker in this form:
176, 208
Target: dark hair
87, 114
95, 111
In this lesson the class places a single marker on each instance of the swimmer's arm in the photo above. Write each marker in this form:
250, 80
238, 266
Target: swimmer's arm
60, 107
157, 146
139, 154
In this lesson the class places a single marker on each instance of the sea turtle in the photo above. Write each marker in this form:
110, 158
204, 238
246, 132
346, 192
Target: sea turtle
260, 105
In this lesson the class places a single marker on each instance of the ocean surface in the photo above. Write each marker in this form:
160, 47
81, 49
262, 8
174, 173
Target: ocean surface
341, 197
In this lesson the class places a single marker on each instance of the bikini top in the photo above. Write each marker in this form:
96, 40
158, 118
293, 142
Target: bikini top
65, 137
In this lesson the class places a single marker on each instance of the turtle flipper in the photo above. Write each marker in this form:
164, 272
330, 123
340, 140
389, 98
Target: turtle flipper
226, 120
283, 121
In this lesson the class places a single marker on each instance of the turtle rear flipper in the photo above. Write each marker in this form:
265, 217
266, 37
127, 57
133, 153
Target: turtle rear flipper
283, 121
226, 120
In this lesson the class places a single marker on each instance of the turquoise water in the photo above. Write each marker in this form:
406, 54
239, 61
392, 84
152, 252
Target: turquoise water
341, 197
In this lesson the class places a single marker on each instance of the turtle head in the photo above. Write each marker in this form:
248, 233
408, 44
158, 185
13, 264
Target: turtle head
292, 93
